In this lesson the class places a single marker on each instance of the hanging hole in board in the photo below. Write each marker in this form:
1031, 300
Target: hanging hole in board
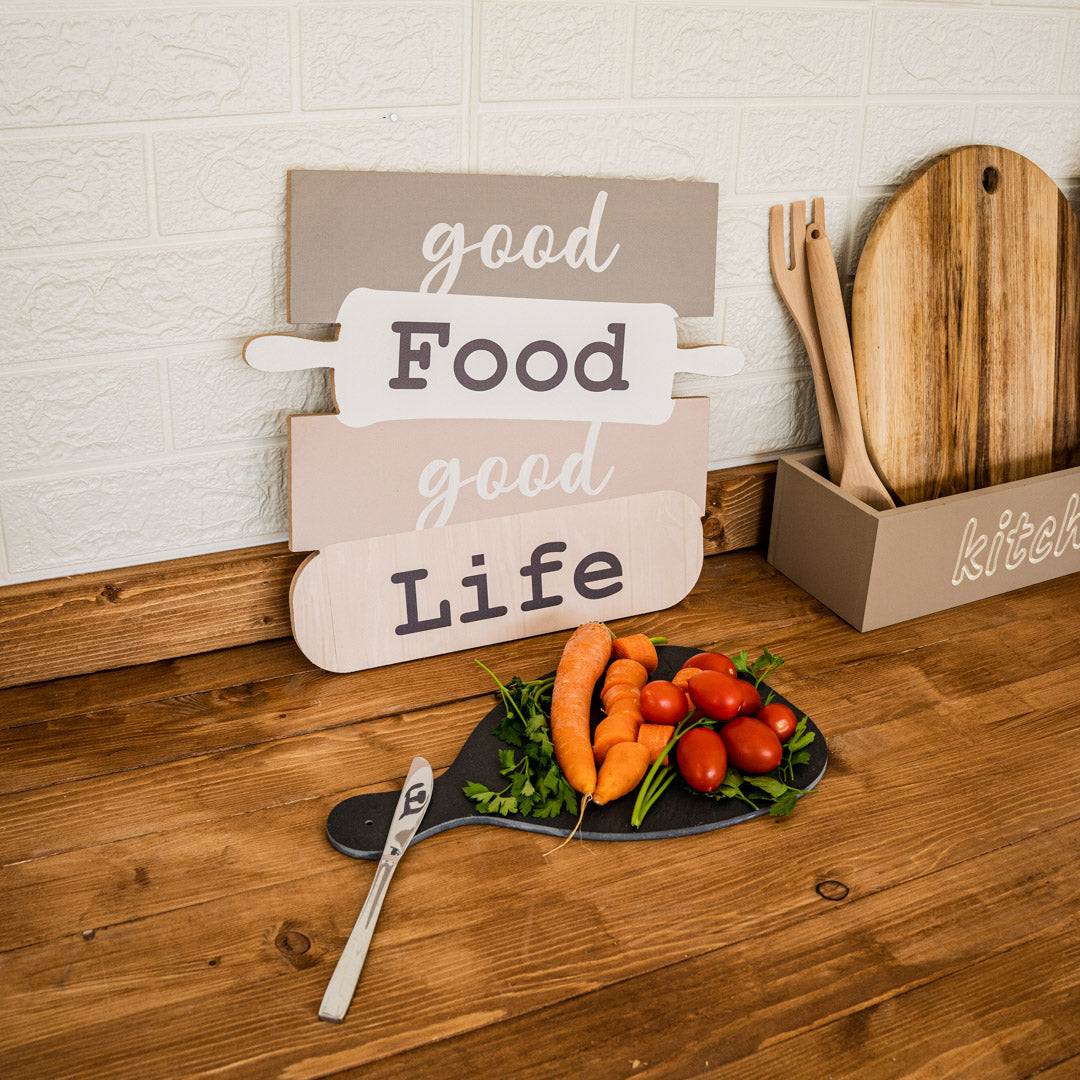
990, 179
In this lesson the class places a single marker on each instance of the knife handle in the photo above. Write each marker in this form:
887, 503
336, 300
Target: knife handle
342, 985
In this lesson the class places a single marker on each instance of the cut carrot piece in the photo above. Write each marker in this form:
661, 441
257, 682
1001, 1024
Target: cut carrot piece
682, 677
636, 647
623, 769
654, 737
621, 727
626, 671
619, 692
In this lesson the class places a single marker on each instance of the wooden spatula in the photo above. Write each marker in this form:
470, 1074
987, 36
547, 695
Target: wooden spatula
857, 475
966, 327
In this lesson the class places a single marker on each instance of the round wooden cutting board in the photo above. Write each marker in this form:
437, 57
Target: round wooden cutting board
966, 327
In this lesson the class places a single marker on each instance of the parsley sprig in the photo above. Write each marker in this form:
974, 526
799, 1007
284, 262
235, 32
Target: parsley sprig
535, 784
764, 665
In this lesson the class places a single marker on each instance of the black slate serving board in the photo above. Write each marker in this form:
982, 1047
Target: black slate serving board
358, 826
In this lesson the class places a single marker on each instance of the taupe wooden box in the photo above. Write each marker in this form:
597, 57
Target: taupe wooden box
875, 568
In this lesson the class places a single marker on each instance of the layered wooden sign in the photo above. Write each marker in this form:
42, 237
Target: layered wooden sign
506, 458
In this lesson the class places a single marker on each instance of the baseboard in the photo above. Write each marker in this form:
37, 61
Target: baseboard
157, 611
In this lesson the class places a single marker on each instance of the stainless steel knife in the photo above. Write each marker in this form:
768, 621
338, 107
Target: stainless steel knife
412, 804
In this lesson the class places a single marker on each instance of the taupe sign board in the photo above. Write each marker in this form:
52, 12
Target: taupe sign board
641, 241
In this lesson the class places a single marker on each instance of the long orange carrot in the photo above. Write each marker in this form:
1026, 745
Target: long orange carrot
583, 660
624, 767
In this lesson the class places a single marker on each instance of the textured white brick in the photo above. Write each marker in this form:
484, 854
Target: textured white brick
752, 416
369, 55
220, 178
899, 138
1070, 82
77, 306
653, 144
532, 51
758, 323
1047, 134
782, 147
79, 414
752, 51
938, 50
59, 191
85, 66
68, 521
215, 397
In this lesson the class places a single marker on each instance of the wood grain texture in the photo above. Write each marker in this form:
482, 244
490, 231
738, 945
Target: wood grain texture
172, 907
965, 327
71, 626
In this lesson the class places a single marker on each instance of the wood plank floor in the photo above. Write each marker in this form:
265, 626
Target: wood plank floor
172, 908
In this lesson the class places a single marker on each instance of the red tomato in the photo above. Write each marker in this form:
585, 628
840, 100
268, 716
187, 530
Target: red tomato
702, 759
712, 661
751, 746
780, 718
717, 695
662, 702
751, 699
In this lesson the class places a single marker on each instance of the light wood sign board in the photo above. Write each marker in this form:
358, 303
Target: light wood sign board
501, 464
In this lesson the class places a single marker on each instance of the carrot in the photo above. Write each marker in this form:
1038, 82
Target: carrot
624, 767
622, 726
619, 692
655, 737
682, 677
637, 647
630, 672
583, 660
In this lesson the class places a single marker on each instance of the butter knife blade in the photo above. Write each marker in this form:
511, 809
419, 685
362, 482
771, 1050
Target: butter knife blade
412, 804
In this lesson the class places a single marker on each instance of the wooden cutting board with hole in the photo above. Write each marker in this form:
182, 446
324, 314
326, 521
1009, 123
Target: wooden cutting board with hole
966, 327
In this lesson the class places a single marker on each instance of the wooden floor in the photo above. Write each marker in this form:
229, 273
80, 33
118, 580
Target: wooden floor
171, 907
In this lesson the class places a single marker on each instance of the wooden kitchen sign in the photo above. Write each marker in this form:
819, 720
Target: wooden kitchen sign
502, 464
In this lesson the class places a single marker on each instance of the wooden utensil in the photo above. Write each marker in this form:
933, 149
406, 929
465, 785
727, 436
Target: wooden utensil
356, 825
857, 476
966, 327
793, 284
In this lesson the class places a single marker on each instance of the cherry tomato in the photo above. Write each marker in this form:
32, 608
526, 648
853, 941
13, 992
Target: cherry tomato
751, 746
712, 661
702, 759
780, 718
662, 702
751, 699
717, 695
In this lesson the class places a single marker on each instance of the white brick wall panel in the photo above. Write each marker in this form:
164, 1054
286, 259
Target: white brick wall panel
55, 523
78, 306
61, 191
942, 50
372, 55
215, 397
654, 144
752, 416
1070, 81
1047, 134
535, 51
749, 51
898, 138
82, 414
797, 148
759, 324
77, 67
221, 178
